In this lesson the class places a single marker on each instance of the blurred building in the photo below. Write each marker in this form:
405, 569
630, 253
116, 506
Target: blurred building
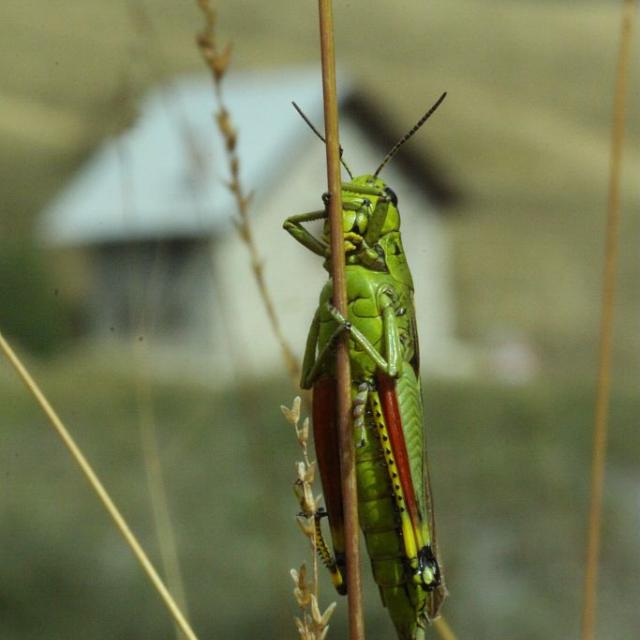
152, 215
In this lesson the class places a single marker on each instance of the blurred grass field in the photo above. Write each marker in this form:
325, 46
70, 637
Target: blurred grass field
509, 467
525, 134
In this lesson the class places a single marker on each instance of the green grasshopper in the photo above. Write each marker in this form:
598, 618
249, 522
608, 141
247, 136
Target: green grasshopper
394, 497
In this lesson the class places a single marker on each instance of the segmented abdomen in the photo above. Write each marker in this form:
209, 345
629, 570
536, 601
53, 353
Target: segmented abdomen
382, 503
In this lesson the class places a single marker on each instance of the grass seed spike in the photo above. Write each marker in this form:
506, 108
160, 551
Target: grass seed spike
394, 496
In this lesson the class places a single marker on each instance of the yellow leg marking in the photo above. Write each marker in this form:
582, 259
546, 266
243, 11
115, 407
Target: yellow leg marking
327, 559
412, 537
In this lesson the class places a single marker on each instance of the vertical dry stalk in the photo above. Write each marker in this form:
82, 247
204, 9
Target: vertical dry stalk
312, 625
606, 327
217, 61
343, 374
443, 629
98, 487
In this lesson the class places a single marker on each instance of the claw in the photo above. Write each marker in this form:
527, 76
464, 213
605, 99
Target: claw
320, 513
354, 238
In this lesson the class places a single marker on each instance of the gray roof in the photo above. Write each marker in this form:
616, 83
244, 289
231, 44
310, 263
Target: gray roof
165, 176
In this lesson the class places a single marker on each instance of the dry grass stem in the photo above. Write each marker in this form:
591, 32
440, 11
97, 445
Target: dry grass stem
312, 624
339, 299
217, 60
98, 487
443, 629
606, 326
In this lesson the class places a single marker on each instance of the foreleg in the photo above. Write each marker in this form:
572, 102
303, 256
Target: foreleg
294, 225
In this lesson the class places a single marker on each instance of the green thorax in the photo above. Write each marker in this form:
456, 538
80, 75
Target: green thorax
375, 261
364, 288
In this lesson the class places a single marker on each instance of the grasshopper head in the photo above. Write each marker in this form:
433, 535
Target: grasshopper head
369, 208
371, 225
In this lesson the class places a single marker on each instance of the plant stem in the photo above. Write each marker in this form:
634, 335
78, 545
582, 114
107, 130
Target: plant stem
98, 487
443, 629
343, 373
217, 60
606, 328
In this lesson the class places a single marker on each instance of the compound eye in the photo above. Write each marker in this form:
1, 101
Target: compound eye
360, 225
366, 203
391, 194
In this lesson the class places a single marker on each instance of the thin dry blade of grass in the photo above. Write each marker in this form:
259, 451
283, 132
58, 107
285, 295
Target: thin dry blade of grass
217, 61
443, 629
606, 326
343, 371
99, 488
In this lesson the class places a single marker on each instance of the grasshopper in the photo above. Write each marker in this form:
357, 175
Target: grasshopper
394, 495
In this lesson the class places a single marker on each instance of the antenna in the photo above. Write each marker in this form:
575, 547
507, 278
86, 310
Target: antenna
407, 135
310, 125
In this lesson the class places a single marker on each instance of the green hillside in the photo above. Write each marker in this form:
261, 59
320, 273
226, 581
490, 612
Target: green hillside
509, 469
